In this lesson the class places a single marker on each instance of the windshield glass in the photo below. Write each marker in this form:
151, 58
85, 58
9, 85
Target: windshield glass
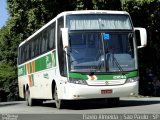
101, 51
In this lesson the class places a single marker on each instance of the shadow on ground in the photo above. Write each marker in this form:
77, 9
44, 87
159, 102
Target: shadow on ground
101, 103
4, 104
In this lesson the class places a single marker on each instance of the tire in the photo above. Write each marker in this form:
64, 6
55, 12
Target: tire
30, 101
59, 103
113, 102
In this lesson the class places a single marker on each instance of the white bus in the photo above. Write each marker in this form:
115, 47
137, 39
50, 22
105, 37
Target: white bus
81, 55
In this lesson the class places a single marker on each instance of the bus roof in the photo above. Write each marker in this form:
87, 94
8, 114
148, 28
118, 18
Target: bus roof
70, 13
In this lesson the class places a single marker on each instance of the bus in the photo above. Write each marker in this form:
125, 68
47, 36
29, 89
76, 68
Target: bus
86, 54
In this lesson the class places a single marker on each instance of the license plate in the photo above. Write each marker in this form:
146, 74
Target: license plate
108, 91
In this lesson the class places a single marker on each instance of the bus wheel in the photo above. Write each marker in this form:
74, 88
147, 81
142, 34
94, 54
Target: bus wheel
29, 100
58, 102
113, 102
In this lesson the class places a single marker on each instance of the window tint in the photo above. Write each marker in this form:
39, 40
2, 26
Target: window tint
33, 49
22, 53
27, 53
43, 45
52, 38
38, 45
61, 54
19, 56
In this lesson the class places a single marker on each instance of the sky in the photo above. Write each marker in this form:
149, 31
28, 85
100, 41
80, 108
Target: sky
3, 13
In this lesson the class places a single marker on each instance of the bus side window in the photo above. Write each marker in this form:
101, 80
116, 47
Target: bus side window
45, 41
22, 54
30, 49
37, 47
40, 44
43, 44
25, 51
19, 56
33, 50
52, 38
34, 44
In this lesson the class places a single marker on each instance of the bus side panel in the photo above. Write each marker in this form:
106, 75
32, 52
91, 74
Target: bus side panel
22, 79
22, 82
42, 76
42, 87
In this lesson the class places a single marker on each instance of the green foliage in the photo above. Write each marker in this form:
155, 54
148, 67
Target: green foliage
98, 5
84, 5
8, 81
107, 4
6, 75
26, 16
146, 13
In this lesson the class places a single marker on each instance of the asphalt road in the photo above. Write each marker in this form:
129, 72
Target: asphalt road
84, 110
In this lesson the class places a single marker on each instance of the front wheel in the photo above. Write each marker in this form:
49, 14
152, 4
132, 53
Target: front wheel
59, 103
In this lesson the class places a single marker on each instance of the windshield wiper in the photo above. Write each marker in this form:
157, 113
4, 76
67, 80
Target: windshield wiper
116, 62
76, 60
100, 64
110, 55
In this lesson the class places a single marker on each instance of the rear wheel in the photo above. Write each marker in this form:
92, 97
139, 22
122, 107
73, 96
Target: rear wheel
59, 103
30, 101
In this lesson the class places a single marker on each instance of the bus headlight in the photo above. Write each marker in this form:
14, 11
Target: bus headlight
131, 80
77, 81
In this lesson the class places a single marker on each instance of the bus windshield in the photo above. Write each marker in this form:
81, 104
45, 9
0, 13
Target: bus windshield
101, 51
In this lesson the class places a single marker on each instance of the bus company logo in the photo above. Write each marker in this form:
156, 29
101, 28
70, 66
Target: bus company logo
46, 75
20, 71
119, 77
48, 62
106, 82
92, 77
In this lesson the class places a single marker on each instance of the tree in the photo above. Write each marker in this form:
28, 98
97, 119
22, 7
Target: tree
146, 13
26, 16
98, 4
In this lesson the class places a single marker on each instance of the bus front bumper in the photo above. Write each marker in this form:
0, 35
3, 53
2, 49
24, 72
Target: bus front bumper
76, 91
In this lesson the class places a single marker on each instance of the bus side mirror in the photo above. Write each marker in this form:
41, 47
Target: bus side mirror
65, 37
141, 37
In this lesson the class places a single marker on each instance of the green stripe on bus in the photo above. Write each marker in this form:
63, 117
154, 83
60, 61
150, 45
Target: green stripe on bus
43, 63
132, 74
40, 64
78, 76
105, 77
